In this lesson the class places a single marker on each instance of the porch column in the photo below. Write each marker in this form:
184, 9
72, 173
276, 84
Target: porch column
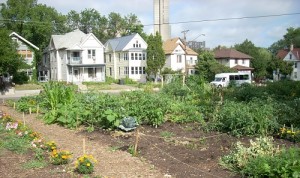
82, 74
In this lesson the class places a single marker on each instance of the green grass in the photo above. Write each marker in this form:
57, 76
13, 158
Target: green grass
35, 164
30, 86
16, 144
166, 134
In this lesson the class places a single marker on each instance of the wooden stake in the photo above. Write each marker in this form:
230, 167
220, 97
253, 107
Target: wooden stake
136, 141
24, 119
14, 105
37, 110
83, 145
30, 110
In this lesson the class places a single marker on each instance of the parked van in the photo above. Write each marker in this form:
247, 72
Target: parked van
223, 79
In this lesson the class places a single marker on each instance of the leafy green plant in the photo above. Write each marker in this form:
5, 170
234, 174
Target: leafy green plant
85, 164
32, 164
240, 155
60, 157
254, 118
284, 164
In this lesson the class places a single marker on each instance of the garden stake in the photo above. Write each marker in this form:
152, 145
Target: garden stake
136, 141
30, 110
14, 105
37, 110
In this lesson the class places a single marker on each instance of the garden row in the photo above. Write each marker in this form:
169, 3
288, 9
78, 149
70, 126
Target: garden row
19, 138
270, 110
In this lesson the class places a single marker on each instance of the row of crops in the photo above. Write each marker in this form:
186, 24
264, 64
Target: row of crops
248, 110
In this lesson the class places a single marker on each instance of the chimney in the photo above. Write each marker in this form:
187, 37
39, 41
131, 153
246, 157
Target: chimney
292, 47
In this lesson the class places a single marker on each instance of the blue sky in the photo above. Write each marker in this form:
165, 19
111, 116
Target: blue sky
261, 31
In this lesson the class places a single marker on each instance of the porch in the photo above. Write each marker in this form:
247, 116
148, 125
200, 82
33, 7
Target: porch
79, 73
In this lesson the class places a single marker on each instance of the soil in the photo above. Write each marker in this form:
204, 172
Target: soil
171, 150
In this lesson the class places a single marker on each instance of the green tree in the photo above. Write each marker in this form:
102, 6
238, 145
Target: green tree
155, 55
291, 37
208, 66
285, 68
10, 61
260, 58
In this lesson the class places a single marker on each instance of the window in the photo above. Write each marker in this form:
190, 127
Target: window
191, 60
132, 70
125, 56
243, 61
295, 74
136, 70
136, 56
140, 70
144, 56
139, 45
109, 57
132, 56
140, 56
236, 61
126, 72
91, 54
296, 65
290, 56
133, 45
110, 71
144, 70
179, 59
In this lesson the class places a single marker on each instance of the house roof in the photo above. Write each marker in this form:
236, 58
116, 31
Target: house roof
230, 53
24, 40
71, 40
283, 52
118, 44
239, 68
171, 44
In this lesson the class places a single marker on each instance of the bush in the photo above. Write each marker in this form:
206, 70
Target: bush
283, 164
254, 118
240, 156
284, 89
20, 78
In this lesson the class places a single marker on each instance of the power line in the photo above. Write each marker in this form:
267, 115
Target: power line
230, 18
170, 23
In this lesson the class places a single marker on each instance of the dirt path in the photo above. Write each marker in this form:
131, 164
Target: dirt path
110, 164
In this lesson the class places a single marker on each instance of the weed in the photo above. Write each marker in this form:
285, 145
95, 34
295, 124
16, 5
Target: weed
166, 134
34, 164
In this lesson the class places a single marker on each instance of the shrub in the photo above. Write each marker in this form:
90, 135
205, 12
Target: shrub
240, 156
284, 164
284, 89
85, 164
254, 118
20, 78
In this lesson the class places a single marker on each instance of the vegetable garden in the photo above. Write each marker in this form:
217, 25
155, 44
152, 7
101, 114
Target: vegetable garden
195, 117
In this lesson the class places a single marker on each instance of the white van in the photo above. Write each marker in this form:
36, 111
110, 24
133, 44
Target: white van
223, 79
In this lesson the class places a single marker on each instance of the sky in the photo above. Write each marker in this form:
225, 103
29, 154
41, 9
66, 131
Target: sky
263, 32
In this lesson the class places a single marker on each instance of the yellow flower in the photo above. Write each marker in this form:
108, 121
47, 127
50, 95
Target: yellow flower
88, 164
64, 157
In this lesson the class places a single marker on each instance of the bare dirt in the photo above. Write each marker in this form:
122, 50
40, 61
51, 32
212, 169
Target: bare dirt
171, 150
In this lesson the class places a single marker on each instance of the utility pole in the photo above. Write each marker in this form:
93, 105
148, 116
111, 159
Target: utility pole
184, 41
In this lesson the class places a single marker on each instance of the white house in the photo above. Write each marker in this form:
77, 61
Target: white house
26, 49
234, 59
126, 57
291, 55
75, 57
179, 57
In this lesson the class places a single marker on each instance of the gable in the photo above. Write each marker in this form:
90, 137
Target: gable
23, 40
91, 41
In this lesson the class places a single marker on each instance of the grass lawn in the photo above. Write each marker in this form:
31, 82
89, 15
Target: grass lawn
29, 86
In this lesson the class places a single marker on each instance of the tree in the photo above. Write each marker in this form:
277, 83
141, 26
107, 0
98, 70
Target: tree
208, 66
155, 55
291, 37
10, 61
285, 68
260, 58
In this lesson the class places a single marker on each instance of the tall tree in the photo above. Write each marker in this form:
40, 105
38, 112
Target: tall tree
10, 61
291, 37
155, 55
208, 66
260, 58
